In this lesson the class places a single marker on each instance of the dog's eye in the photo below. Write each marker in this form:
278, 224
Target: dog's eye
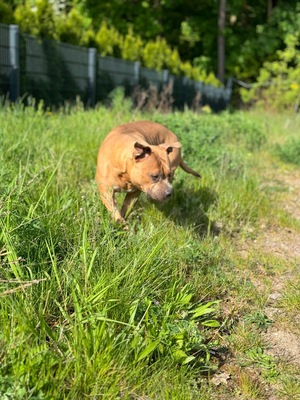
155, 178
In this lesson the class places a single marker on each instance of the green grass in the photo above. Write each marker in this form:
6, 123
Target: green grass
290, 151
89, 310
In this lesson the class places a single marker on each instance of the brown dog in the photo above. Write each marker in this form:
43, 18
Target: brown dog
137, 157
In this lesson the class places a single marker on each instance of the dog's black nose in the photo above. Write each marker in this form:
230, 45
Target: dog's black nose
169, 192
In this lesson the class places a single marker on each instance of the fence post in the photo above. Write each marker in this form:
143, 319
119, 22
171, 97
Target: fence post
228, 89
136, 72
185, 91
14, 75
92, 77
165, 76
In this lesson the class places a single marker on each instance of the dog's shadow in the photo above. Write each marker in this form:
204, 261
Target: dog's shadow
190, 207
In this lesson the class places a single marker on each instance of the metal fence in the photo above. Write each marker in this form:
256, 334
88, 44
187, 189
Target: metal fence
59, 72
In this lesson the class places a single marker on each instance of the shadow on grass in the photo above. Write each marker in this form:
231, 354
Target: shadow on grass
190, 207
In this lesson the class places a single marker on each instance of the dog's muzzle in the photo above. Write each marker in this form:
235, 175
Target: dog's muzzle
159, 194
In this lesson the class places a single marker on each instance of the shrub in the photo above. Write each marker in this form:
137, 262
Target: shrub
198, 74
39, 20
26, 19
74, 28
156, 54
132, 46
108, 40
174, 62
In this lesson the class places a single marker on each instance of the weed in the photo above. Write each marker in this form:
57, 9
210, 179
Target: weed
258, 318
264, 361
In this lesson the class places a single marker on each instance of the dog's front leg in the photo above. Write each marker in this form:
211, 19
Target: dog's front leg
107, 196
129, 202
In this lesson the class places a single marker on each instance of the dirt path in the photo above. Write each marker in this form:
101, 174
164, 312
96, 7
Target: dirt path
275, 240
282, 338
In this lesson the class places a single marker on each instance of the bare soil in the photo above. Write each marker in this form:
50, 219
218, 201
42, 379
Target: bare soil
282, 339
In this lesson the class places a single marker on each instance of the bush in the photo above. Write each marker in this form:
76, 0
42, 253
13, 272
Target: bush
132, 46
75, 29
156, 53
27, 19
198, 74
108, 40
39, 20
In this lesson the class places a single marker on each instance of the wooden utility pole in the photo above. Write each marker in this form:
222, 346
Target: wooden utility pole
221, 39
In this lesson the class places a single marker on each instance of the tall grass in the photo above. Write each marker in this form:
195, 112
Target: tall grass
89, 310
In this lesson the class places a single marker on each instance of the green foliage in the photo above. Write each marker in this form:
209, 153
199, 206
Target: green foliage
189, 34
132, 46
198, 74
289, 151
217, 138
253, 39
259, 319
10, 389
108, 40
27, 19
251, 35
173, 62
6, 13
156, 53
38, 20
172, 329
265, 362
74, 28
277, 85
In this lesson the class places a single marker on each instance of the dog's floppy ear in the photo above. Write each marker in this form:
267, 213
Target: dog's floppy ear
170, 146
141, 151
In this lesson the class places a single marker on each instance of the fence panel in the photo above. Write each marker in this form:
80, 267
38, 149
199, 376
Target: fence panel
54, 72
216, 98
58, 72
113, 72
9, 61
5, 66
148, 76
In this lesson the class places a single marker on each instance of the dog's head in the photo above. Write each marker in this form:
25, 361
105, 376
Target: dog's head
152, 171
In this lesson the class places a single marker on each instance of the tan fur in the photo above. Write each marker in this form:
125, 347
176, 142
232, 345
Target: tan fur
137, 157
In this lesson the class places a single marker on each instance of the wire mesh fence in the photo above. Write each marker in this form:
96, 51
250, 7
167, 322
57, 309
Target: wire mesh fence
57, 73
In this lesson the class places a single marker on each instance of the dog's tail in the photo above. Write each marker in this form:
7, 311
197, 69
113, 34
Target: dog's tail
189, 170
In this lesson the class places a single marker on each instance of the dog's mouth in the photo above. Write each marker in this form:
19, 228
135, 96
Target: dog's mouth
160, 196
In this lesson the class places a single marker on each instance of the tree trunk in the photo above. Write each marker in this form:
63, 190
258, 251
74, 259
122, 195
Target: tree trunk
271, 5
221, 40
